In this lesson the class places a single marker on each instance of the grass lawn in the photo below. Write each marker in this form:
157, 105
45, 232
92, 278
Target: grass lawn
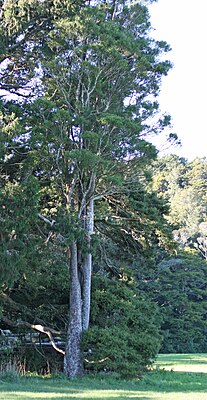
183, 362
182, 382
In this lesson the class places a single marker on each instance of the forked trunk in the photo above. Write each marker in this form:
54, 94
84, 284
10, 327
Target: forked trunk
73, 365
79, 300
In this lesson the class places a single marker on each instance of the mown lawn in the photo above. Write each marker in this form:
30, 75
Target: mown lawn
160, 384
183, 362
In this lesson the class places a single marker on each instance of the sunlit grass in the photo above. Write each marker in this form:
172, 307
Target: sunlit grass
108, 394
183, 362
159, 384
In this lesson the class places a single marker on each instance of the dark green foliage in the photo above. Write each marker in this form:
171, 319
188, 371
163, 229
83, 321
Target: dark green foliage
124, 329
179, 288
183, 299
132, 232
18, 204
178, 284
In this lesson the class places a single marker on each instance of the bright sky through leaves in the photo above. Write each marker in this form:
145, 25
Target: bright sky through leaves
182, 23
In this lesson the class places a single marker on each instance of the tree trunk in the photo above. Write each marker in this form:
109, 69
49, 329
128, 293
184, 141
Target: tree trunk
87, 267
73, 365
80, 298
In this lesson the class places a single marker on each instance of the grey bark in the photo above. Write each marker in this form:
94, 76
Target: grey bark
73, 365
87, 267
80, 293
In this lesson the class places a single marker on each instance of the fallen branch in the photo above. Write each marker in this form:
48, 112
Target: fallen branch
98, 361
39, 328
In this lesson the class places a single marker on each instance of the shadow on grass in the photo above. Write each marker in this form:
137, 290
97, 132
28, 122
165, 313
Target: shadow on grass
168, 359
104, 388
62, 391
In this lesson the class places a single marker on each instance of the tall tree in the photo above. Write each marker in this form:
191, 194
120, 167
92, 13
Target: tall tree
99, 74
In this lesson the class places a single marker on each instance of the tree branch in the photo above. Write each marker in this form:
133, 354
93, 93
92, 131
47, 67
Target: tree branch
39, 328
98, 361
51, 223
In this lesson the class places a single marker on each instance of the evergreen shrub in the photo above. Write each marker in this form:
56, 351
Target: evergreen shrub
124, 334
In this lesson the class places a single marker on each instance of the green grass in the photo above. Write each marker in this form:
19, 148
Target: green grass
183, 362
160, 384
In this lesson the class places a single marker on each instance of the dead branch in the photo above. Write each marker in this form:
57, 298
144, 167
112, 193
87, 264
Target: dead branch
98, 361
51, 223
39, 328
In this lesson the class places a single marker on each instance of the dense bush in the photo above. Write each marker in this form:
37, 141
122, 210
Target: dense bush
124, 334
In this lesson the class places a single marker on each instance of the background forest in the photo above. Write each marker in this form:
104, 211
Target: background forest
88, 210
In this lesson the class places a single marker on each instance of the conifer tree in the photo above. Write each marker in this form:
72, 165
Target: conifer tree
98, 76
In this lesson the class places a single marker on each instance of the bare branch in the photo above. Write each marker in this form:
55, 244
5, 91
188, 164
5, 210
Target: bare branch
39, 328
51, 223
70, 189
98, 361
42, 329
88, 193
